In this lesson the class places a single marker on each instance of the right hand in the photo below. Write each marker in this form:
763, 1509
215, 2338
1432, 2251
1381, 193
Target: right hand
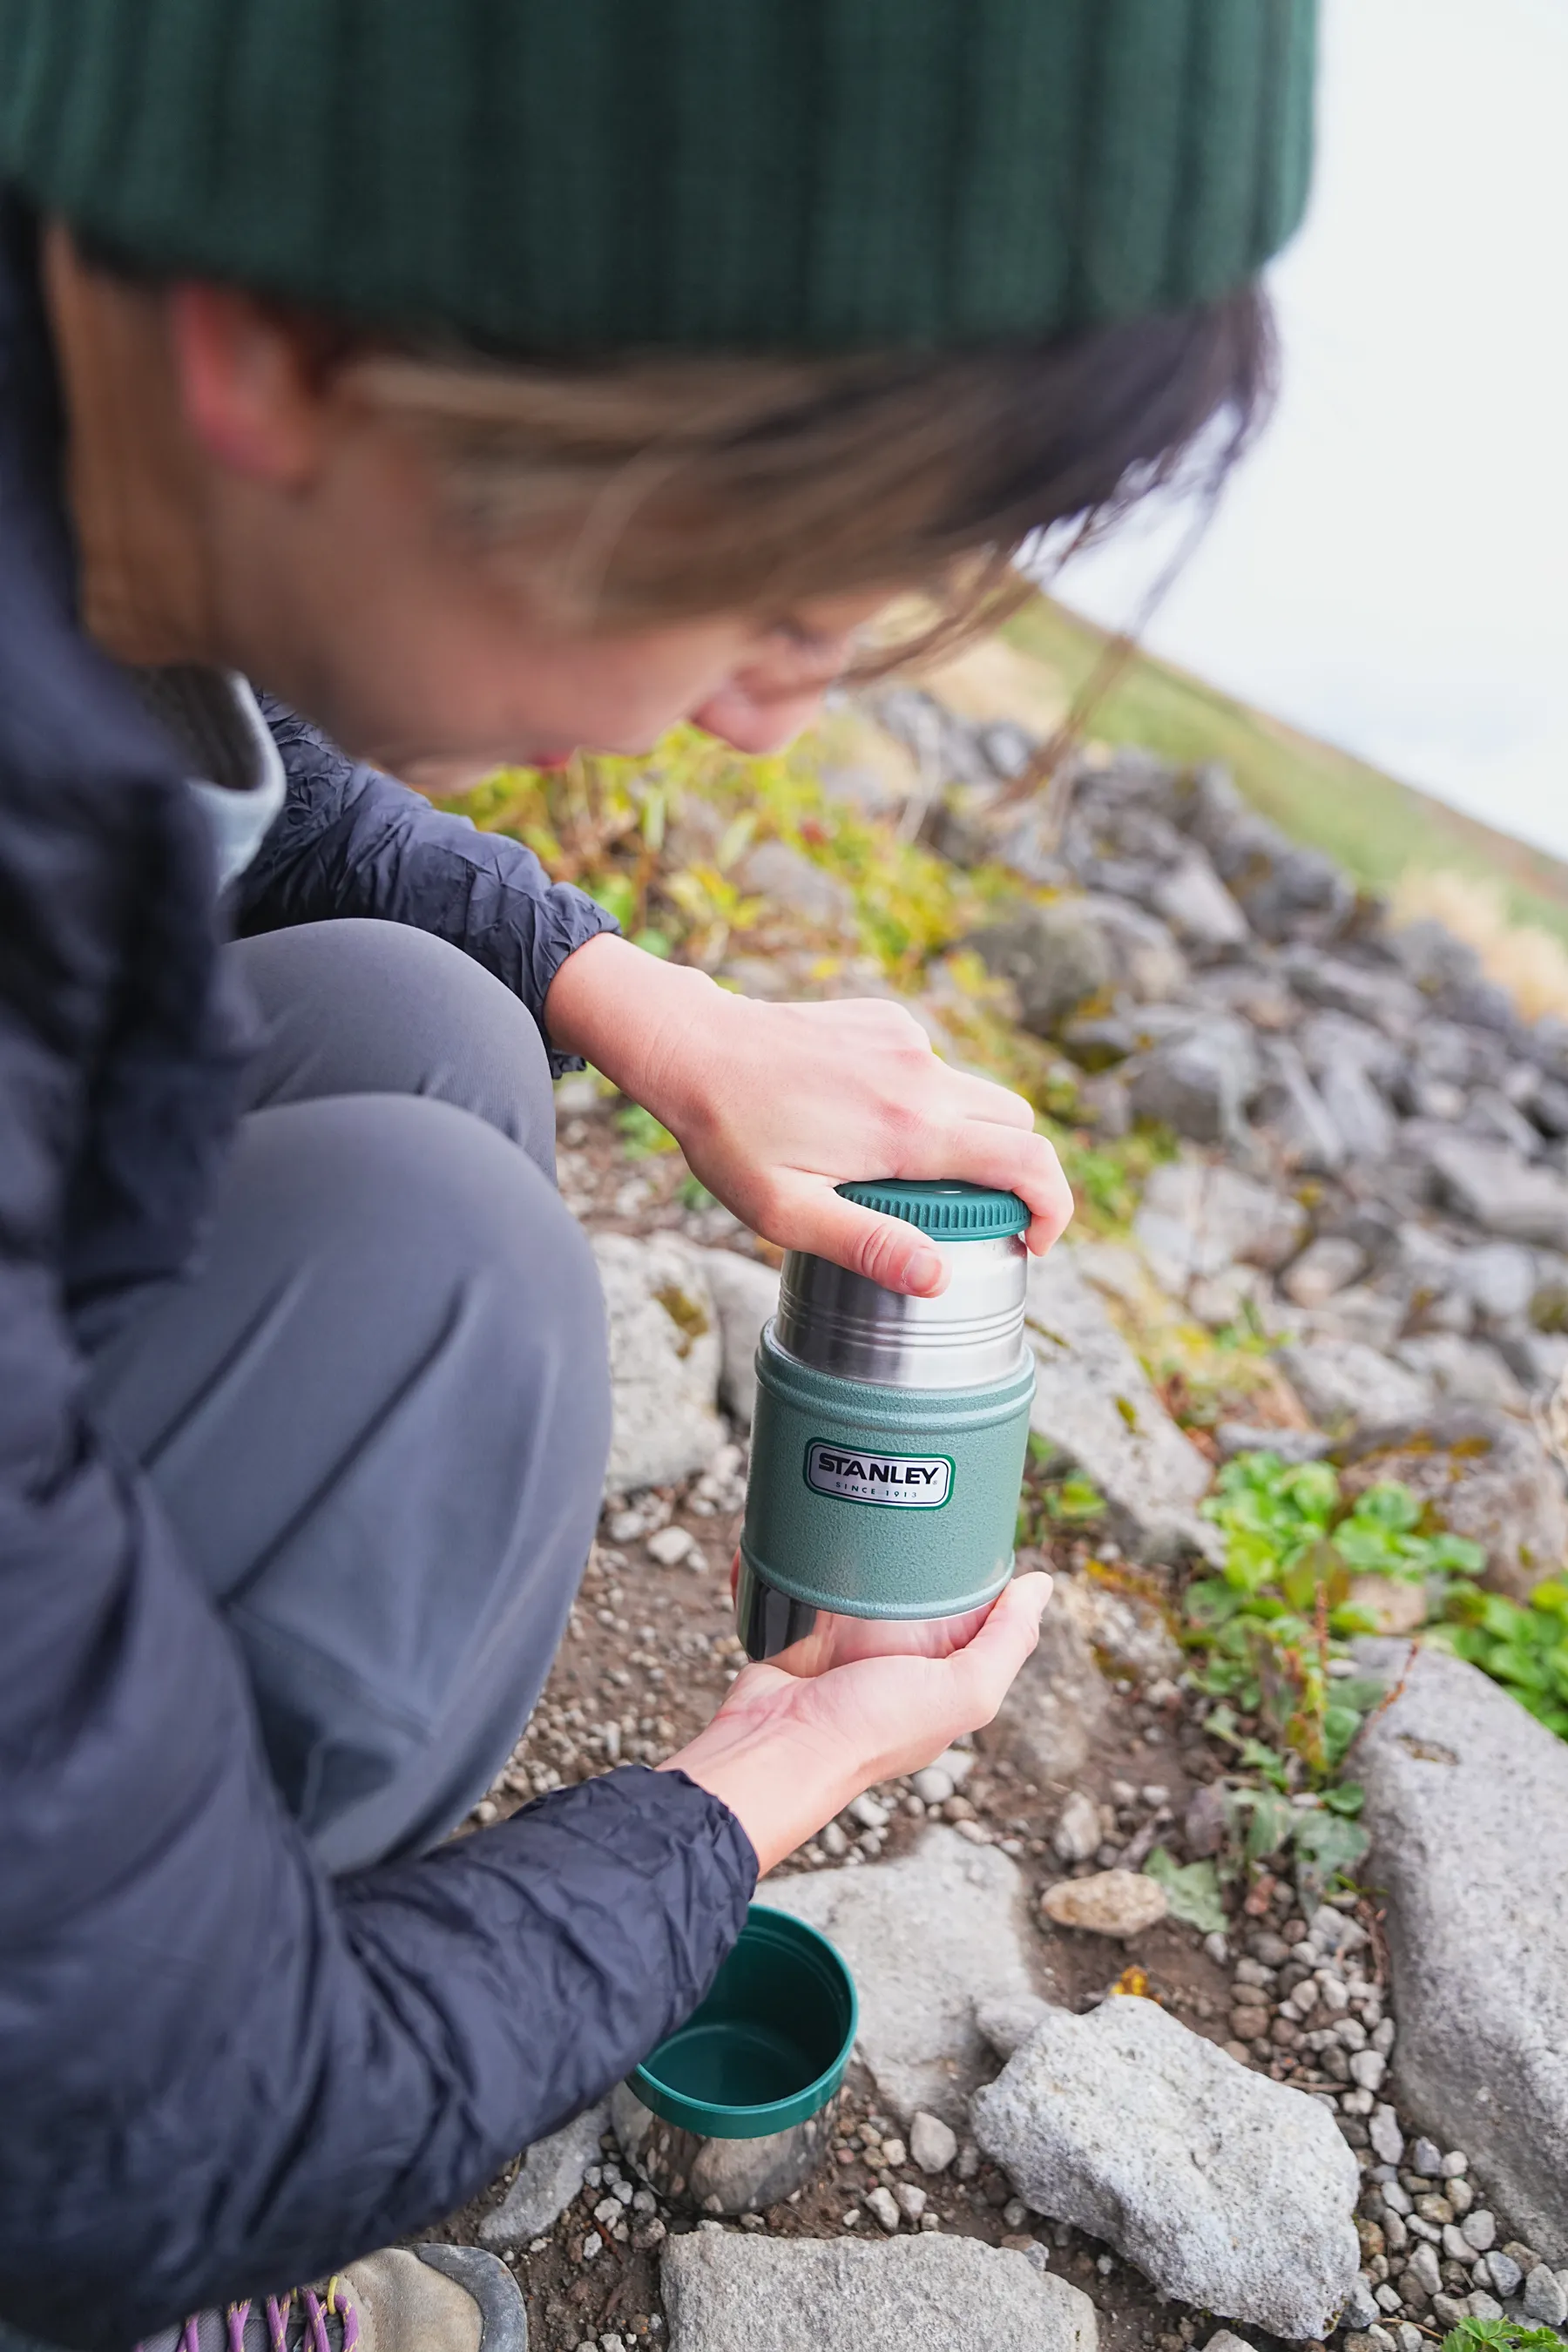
788, 1750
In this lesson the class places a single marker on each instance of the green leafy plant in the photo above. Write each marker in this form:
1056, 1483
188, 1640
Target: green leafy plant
1271, 1625
1192, 1890
1523, 1645
1500, 2336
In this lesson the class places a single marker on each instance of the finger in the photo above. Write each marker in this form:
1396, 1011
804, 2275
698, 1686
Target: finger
886, 1250
1009, 1160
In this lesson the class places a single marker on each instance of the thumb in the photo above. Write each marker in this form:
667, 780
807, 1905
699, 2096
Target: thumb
885, 1249
989, 1664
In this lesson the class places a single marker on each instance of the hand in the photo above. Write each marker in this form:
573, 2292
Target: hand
773, 1105
785, 1752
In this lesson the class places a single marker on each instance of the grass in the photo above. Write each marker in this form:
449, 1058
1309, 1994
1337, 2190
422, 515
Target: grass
1381, 830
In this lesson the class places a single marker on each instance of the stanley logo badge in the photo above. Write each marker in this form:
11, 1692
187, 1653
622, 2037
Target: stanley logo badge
906, 1482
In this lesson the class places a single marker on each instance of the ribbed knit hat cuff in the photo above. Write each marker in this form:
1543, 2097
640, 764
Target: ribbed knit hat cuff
749, 174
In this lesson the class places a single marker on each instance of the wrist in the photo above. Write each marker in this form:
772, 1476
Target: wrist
630, 1014
781, 1786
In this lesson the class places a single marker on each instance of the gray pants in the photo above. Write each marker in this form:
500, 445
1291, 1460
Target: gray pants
377, 1413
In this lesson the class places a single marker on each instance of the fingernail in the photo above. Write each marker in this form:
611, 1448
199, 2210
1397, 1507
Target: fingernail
925, 1270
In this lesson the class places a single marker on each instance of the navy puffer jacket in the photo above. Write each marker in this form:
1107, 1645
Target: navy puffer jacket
219, 2072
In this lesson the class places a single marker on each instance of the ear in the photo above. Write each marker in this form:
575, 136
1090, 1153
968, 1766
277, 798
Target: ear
248, 391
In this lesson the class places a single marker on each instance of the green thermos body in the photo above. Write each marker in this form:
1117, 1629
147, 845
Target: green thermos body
889, 1432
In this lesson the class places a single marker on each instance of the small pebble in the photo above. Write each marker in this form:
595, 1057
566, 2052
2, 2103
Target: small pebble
592, 2244
932, 1786
1480, 2230
1015, 2213
1427, 2157
833, 1842
932, 2144
1504, 2273
910, 2200
1453, 2164
880, 2204
852, 2217
868, 1813
669, 1547
1482, 2306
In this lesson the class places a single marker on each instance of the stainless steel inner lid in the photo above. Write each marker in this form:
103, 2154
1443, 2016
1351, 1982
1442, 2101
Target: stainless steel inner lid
971, 1336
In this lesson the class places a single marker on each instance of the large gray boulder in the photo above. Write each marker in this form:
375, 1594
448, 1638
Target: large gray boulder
1059, 954
1226, 2189
1467, 1800
727, 2293
926, 1937
745, 1295
663, 1361
1097, 1408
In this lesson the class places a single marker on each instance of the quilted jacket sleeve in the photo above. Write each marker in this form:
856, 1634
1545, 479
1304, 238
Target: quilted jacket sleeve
354, 842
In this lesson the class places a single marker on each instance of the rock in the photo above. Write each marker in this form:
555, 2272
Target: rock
1201, 1080
934, 2292
1127, 1628
664, 1362
1482, 1476
1055, 956
1544, 2303
1076, 1835
1463, 1371
1197, 1219
669, 1547
1293, 1109
1205, 1822
1391, 1607
1007, 2025
1500, 1192
773, 870
548, 2178
1048, 1721
1383, 998
1499, 1279
1384, 2132
1234, 1437
1427, 2157
1467, 1799
1222, 2341
1504, 2273
1225, 2190
1362, 1118
926, 1937
1095, 1406
1325, 1266
880, 2206
745, 1293
1200, 911
1343, 1380
932, 2144
1111, 1903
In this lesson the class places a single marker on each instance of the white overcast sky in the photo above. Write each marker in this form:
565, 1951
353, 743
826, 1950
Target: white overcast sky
1390, 569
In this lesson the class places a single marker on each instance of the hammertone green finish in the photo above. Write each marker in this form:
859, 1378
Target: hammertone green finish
875, 1559
769, 2045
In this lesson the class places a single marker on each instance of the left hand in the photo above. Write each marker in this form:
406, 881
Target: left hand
774, 1104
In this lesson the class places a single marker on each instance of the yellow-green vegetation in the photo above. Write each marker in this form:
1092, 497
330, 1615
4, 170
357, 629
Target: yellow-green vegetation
1380, 829
1522, 1645
664, 844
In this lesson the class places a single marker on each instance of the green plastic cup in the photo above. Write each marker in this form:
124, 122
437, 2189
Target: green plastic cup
735, 2109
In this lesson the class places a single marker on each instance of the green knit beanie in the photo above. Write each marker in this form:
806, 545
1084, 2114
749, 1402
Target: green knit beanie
562, 175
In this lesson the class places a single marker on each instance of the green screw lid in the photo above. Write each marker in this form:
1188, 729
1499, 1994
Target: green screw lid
958, 1212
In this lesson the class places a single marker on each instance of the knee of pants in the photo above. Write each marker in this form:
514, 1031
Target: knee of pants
357, 1006
378, 1419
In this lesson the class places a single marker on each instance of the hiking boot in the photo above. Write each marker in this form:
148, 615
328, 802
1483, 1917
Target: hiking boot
437, 2299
